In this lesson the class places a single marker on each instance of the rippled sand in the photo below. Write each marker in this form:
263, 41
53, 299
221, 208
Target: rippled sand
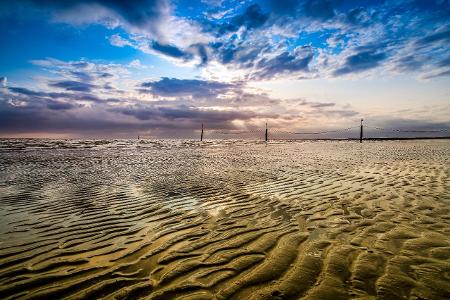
224, 220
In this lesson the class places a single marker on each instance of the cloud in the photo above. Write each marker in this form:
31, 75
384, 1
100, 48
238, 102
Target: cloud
25, 91
53, 98
444, 62
319, 9
361, 61
170, 50
70, 85
436, 74
251, 41
316, 104
54, 105
253, 17
3, 81
409, 124
360, 16
132, 14
409, 62
345, 26
284, 7
440, 35
136, 64
202, 53
82, 70
173, 87
258, 60
193, 114
118, 41
250, 37
164, 104
297, 60
212, 2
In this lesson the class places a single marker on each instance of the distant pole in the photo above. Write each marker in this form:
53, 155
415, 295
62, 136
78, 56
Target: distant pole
201, 135
267, 135
361, 132
138, 137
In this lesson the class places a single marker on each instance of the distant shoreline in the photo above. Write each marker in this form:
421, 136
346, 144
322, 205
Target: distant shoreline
369, 139
206, 140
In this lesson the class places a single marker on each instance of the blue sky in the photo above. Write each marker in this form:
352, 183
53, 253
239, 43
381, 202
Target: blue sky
81, 68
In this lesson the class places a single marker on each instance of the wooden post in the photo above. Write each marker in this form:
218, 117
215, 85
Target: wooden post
361, 132
201, 135
266, 136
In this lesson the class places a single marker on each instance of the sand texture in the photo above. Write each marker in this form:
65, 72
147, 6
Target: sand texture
224, 220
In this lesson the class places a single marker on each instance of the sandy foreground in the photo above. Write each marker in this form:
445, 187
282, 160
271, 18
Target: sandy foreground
224, 220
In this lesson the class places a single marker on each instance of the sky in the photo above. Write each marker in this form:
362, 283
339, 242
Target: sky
161, 68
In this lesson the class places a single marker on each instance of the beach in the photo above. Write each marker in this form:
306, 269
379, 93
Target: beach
180, 219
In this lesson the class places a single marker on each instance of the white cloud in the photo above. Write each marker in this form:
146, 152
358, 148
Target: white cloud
118, 41
3, 82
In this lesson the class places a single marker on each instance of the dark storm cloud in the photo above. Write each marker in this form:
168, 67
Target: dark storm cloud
201, 114
64, 111
179, 119
170, 50
61, 121
54, 105
173, 87
70, 85
139, 113
361, 61
184, 112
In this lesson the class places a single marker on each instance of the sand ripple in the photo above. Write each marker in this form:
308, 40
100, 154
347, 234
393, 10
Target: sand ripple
224, 220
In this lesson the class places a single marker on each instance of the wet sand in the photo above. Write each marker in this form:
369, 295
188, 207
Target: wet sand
224, 220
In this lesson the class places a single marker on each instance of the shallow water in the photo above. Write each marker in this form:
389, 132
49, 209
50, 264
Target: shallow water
126, 219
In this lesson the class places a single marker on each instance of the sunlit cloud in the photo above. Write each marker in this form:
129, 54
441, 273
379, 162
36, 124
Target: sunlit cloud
162, 64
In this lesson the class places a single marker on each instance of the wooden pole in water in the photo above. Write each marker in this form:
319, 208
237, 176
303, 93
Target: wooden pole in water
267, 136
361, 132
201, 135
